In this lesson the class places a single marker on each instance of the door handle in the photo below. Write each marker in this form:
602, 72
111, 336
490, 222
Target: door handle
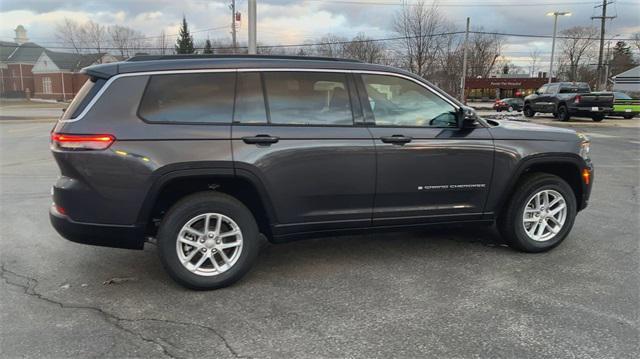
397, 139
261, 139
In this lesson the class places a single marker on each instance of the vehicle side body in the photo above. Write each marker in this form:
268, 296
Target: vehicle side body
312, 180
515, 104
575, 98
625, 106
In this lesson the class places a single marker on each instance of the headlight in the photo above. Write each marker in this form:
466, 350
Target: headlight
584, 149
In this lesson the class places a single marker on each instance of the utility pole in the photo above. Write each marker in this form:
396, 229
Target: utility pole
603, 18
252, 27
233, 24
463, 98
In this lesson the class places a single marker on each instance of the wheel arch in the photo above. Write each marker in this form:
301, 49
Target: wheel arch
169, 187
566, 166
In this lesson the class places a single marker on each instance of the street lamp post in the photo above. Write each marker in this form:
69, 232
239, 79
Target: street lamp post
555, 15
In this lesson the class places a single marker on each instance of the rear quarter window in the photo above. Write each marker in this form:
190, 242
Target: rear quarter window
189, 98
87, 92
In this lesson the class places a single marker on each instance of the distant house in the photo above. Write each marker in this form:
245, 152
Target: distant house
28, 68
628, 81
56, 75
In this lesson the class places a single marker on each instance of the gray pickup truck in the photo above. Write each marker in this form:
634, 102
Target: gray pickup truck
566, 99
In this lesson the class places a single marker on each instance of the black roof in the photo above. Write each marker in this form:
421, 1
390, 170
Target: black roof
199, 62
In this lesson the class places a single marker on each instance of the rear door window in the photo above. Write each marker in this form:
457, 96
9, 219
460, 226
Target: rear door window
189, 98
308, 98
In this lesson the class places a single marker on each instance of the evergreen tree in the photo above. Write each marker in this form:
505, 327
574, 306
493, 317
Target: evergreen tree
207, 47
622, 59
184, 44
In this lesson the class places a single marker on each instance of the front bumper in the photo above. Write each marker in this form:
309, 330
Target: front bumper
116, 236
586, 188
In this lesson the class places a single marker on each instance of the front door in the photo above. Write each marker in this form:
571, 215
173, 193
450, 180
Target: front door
427, 168
317, 167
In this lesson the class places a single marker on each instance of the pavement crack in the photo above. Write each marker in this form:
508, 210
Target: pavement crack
29, 284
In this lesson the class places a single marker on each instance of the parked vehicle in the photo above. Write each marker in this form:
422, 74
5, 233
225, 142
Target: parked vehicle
566, 99
625, 106
205, 154
509, 104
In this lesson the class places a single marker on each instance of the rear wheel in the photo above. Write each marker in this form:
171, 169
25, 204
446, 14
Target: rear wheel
540, 213
628, 117
208, 241
598, 117
563, 113
528, 111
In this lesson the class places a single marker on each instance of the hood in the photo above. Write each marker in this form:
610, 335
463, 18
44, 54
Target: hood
506, 129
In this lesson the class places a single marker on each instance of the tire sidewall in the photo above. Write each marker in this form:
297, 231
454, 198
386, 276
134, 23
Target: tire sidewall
191, 207
548, 183
528, 112
563, 113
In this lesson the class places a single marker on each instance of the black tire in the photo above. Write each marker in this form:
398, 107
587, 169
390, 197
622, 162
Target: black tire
628, 117
598, 117
192, 206
563, 113
510, 221
528, 111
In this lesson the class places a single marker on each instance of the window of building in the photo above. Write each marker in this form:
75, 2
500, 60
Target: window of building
399, 102
189, 98
308, 98
46, 85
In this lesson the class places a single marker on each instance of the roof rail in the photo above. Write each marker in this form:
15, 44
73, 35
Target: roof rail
199, 56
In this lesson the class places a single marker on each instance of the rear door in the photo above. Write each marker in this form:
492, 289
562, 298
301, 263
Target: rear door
298, 134
427, 169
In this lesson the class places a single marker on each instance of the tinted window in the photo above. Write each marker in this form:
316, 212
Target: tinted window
250, 99
621, 96
87, 92
575, 89
552, 89
203, 97
398, 102
308, 98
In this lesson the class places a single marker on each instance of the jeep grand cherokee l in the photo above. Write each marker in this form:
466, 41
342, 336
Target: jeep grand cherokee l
209, 154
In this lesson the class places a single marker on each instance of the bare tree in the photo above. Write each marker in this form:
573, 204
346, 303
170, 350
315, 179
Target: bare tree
364, 49
534, 58
484, 51
450, 64
419, 26
636, 40
163, 43
578, 40
95, 35
331, 45
69, 32
125, 40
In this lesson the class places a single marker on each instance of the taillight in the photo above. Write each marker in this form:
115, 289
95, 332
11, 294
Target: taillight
578, 98
81, 142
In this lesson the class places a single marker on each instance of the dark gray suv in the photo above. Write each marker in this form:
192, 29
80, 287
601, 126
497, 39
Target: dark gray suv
207, 154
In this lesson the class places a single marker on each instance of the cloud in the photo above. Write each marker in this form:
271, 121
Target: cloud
283, 21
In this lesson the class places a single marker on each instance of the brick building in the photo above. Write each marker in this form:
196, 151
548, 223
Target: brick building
27, 68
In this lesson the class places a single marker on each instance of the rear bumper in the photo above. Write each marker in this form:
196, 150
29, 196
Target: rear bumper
588, 112
116, 236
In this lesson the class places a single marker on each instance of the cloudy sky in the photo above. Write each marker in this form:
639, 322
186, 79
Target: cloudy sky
292, 22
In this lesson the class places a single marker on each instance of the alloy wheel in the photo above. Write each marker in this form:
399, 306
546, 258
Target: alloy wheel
544, 215
209, 244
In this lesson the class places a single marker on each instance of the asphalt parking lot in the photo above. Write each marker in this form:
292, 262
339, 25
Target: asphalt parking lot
445, 292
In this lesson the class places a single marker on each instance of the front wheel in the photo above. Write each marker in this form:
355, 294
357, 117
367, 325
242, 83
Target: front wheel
540, 213
208, 241
510, 109
528, 111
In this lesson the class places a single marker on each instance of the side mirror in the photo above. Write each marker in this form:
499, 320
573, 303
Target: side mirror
537, 92
465, 116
